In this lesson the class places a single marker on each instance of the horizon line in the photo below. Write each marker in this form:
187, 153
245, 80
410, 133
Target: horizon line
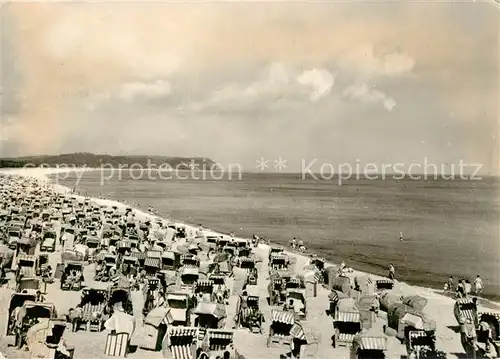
405, 175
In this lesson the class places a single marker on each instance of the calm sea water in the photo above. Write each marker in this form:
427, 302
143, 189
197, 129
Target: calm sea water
451, 227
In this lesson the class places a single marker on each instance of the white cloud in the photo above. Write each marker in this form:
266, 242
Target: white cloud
368, 65
320, 81
366, 62
133, 91
278, 81
363, 93
275, 81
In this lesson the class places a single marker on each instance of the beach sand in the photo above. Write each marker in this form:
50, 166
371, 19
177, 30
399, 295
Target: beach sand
91, 345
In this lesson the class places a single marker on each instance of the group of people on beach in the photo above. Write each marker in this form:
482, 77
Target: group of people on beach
74, 277
298, 245
464, 287
75, 316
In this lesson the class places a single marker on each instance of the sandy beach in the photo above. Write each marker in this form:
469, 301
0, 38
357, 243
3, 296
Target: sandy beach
88, 344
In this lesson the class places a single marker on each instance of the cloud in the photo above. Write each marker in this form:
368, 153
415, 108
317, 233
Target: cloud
320, 81
365, 61
274, 82
365, 94
61, 50
277, 82
132, 91
369, 65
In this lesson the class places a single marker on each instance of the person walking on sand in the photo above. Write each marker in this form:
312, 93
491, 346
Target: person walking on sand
478, 285
467, 288
450, 284
74, 316
72, 319
392, 272
460, 289
401, 236
341, 269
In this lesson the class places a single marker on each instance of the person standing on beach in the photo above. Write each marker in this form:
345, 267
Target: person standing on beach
75, 316
341, 269
72, 318
392, 272
460, 289
478, 285
467, 287
450, 284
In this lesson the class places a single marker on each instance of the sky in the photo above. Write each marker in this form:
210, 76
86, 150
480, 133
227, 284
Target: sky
334, 82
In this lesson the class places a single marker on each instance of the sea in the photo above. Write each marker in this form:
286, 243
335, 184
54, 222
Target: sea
450, 227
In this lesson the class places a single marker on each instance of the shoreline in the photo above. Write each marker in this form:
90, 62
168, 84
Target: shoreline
44, 173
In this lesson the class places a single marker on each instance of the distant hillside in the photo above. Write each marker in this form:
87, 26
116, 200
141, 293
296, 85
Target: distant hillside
92, 160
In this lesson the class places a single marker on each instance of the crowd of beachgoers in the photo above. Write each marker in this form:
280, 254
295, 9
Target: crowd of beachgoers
74, 268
